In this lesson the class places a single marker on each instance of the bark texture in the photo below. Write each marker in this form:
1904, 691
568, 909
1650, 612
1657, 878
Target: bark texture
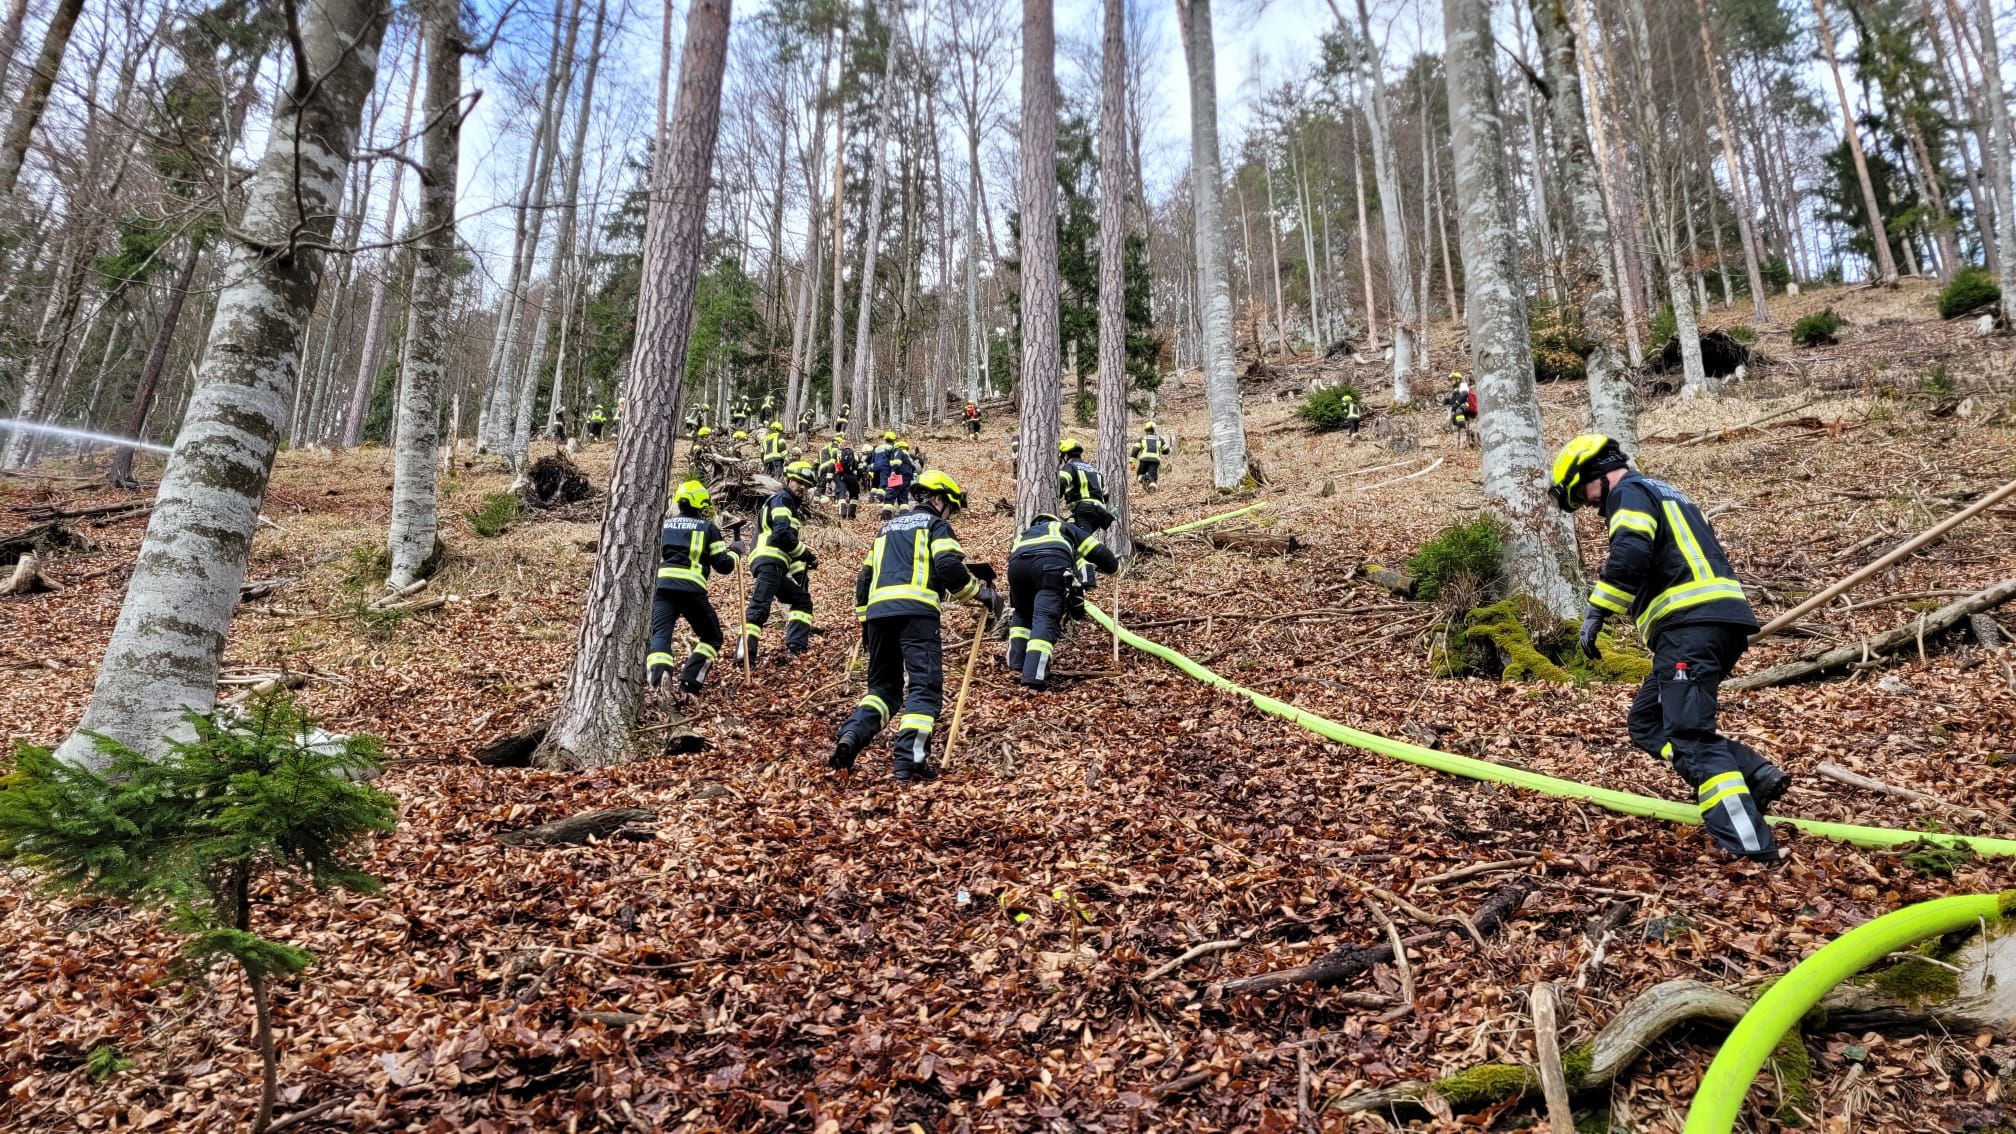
1038, 390
592, 727
1398, 276
415, 510
35, 94
871, 242
1214, 296
1999, 156
1113, 272
1592, 277
1540, 556
1886, 267
169, 639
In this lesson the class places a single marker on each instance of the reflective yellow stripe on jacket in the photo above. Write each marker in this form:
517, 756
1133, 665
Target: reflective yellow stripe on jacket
917, 585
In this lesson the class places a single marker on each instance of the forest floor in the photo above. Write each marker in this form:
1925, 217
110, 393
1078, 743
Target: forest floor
802, 952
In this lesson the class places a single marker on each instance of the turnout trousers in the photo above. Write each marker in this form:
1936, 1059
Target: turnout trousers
1673, 718
668, 606
1037, 596
773, 583
906, 667
1149, 472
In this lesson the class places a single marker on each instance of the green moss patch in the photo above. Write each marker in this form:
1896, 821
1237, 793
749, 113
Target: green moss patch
1516, 639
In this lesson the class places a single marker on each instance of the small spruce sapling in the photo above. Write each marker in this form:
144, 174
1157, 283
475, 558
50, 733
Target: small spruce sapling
257, 798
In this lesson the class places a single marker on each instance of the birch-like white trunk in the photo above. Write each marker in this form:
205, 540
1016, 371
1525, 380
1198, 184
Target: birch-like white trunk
374, 319
1588, 264
1540, 556
166, 647
1998, 133
871, 238
1214, 297
1113, 429
415, 510
1399, 276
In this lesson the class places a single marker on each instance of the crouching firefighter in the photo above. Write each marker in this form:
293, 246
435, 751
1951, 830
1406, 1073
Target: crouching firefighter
1043, 567
1668, 572
690, 547
915, 563
778, 563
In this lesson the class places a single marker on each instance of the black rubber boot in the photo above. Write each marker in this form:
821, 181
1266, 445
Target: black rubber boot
1769, 785
911, 772
844, 751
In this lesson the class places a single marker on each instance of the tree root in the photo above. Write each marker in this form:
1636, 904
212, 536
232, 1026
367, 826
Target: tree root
1341, 965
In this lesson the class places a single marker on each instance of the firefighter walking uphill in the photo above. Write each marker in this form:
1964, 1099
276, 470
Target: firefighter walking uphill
1148, 454
1043, 566
690, 547
778, 562
1668, 572
915, 563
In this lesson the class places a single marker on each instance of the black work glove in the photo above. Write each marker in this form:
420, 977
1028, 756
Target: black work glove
810, 559
739, 549
981, 571
1592, 624
991, 599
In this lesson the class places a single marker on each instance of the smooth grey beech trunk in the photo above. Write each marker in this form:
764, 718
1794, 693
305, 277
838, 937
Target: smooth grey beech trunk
1037, 393
1998, 133
35, 94
1113, 272
1399, 276
374, 319
1214, 296
1540, 556
1587, 263
166, 647
593, 725
415, 509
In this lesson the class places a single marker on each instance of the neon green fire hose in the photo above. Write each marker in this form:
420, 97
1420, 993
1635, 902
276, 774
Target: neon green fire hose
1755, 1036
1211, 519
1624, 802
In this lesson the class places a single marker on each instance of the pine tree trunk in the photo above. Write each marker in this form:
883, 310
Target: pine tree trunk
1998, 134
415, 511
1540, 556
1037, 391
166, 647
1113, 272
374, 319
35, 95
1886, 267
871, 235
1207, 195
592, 728
1399, 275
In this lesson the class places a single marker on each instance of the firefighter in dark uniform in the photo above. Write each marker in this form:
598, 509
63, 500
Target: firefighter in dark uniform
829, 453
597, 418
778, 562
972, 422
1667, 571
914, 564
690, 547
776, 450
902, 474
1354, 414
1083, 489
846, 414
1148, 454
1042, 574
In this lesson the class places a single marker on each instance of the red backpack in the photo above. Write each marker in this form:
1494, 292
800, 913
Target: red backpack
1470, 403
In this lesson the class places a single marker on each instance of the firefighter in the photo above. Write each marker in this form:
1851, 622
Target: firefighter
776, 450
597, 418
914, 564
972, 422
694, 420
735, 443
1042, 574
779, 562
846, 414
902, 474
805, 423
690, 547
616, 419
1353, 413
828, 454
1462, 405
1083, 489
1148, 454
769, 405
847, 479
741, 411
1667, 571
878, 460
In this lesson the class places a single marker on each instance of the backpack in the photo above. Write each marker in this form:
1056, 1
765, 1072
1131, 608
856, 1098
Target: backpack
1470, 403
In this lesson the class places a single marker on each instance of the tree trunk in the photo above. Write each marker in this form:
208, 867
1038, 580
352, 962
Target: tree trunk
166, 647
415, 512
592, 726
1037, 391
1113, 272
1274, 256
35, 95
1738, 186
10, 39
871, 235
1886, 267
1998, 133
1399, 276
1613, 409
150, 371
51, 344
1619, 262
1539, 553
374, 319
1214, 300
1364, 230
805, 325
836, 366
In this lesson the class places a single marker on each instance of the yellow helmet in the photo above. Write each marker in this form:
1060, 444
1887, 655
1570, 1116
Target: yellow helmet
776, 427
839, 438
1070, 447
889, 436
741, 436
903, 445
802, 472
1150, 427
704, 432
693, 494
1584, 456
938, 484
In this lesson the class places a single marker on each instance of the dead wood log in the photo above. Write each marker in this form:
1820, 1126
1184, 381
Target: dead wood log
514, 751
578, 828
28, 578
1937, 622
1915, 993
1258, 542
1841, 775
1985, 629
52, 535
1341, 965
1397, 583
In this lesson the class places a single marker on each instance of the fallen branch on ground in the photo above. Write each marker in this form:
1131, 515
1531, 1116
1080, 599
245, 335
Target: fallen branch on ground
578, 828
1342, 964
1937, 622
1256, 542
1195, 951
1841, 775
28, 578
